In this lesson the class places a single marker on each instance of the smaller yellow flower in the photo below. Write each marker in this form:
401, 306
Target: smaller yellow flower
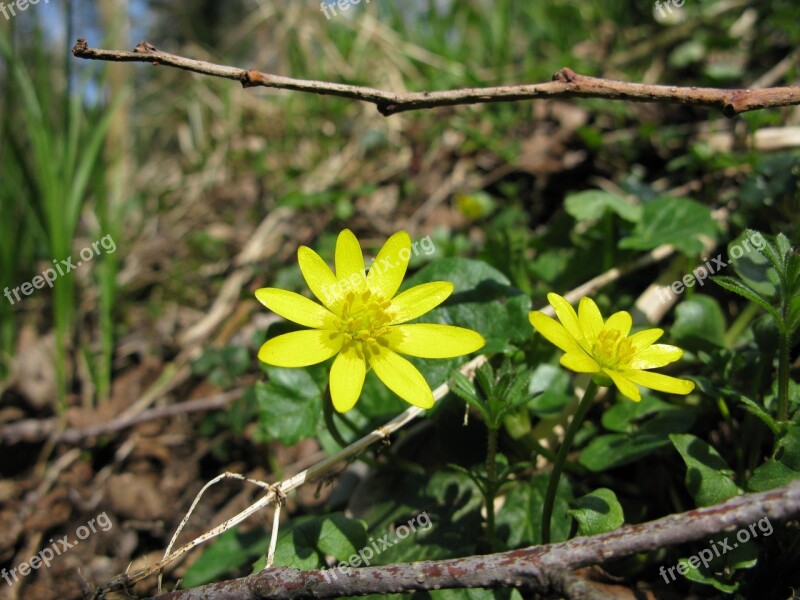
605, 349
364, 322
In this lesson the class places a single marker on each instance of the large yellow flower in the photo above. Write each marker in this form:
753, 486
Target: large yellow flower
606, 350
363, 322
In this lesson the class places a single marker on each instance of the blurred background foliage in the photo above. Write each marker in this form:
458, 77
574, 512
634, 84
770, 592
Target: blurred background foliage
208, 189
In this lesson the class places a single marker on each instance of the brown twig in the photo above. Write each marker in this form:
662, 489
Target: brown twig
35, 430
566, 84
543, 569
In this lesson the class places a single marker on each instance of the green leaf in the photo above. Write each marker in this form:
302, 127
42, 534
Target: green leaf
775, 251
699, 324
549, 404
720, 571
678, 221
737, 287
708, 477
391, 498
228, 553
290, 404
483, 299
626, 416
646, 427
590, 205
548, 378
462, 387
787, 449
306, 542
772, 474
597, 512
519, 522
549, 390
750, 264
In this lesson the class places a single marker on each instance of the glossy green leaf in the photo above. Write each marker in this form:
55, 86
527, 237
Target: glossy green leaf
307, 541
646, 427
770, 475
597, 512
290, 404
678, 221
483, 299
590, 205
708, 477
699, 324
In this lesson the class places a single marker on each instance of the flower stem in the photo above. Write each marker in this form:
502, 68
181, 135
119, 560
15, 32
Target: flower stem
561, 457
783, 374
491, 486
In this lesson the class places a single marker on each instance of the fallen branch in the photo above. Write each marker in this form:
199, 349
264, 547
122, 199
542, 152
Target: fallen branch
542, 569
566, 84
36, 430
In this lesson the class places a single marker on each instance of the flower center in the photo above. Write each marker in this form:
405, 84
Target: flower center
611, 349
365, 322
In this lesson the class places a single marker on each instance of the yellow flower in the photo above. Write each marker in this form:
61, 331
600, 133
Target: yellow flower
363, 322
607, 351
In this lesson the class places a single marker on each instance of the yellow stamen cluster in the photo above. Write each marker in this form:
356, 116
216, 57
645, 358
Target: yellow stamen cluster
612, 349
365, 322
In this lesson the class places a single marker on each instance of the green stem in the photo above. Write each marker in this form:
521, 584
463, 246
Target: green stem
561, 457
491, 487
783, 375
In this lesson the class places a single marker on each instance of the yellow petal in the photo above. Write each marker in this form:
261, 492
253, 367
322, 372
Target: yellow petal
418, 300
387, 272
579, 362
590, 319
401, 377
620, 321
301, 348
656, 355
554, 332
566, 314
297, 308
350, 261
624, 385
642, 339
427, 340
661, 383
319, 277
347, 378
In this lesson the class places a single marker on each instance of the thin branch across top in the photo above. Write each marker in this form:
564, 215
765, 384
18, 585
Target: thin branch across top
565, 84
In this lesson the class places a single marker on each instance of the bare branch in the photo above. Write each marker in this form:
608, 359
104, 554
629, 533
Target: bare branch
566, 84
34, 430
544, 569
